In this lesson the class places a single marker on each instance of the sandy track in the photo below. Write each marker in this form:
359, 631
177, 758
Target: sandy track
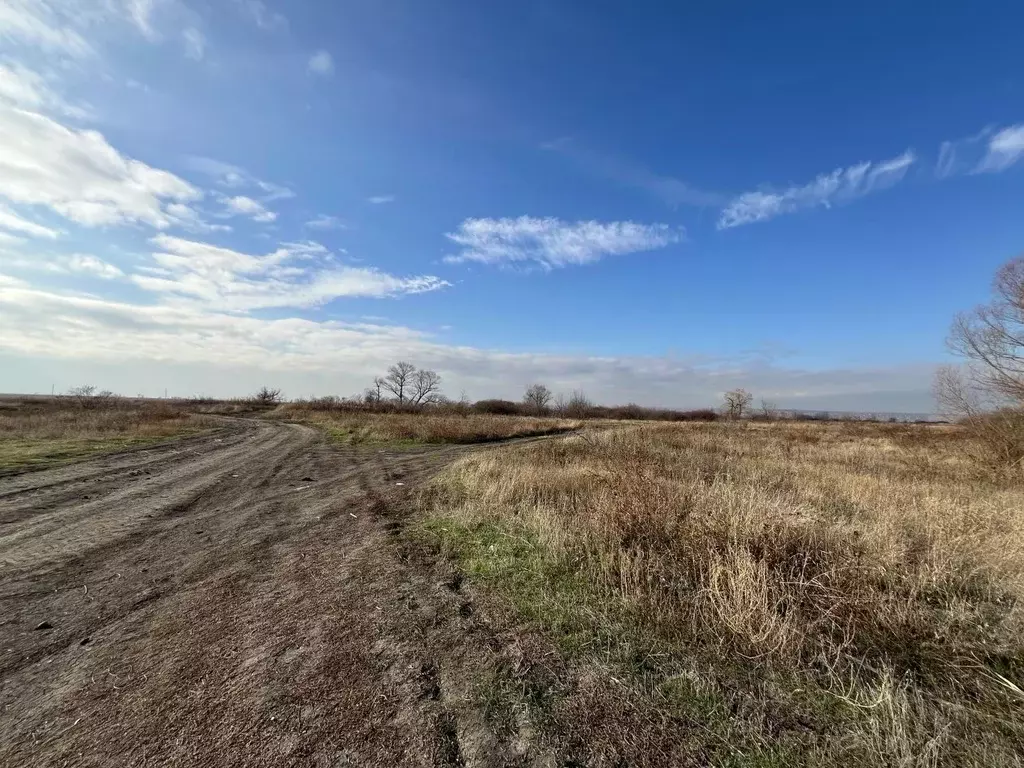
231, 600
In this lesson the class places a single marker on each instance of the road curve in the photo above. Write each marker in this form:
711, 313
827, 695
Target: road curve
229, 600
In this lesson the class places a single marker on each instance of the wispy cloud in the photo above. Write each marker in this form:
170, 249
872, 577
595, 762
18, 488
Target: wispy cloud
76, 263
229, 353
42, 24
234, 177
1004, 149
294, 275
195, 44
381, 199
325, 222
25, 88
261, 15
321, 63
551, 242
840, 186
670, 190
240, 205
991, 150
60, 26
80, 176
12, 222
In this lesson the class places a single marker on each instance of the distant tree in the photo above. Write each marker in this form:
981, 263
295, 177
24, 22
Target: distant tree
267, 396
769, 411
399, 380
736, 403
87, 396
537, 398
373, 394
83, 392
578, 406
425, 387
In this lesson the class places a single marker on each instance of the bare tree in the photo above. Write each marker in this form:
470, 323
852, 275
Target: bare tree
998, 430
991, 339
82, 394
425, 387
399, 379
986, 393
267, 396
769, 411
578, 405
373, 394
737, 402
537, 398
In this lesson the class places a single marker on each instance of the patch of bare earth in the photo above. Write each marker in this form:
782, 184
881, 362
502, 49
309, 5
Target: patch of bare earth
239, 599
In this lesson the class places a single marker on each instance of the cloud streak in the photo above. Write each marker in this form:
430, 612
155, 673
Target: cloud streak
294, 275
240, 205
840, 186
551, 243
81, 177
339, 357
671, 191
1004, 149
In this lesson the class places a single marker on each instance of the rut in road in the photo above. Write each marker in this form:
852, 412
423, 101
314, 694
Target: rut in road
233, 600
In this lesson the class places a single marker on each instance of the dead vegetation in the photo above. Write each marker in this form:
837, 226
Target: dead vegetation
357, 426
42, 430
748, 594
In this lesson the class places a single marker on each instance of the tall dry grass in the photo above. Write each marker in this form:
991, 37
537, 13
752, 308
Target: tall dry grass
41, 430
859, 584
420, 427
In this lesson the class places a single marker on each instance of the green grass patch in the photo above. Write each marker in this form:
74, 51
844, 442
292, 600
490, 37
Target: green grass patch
24, 453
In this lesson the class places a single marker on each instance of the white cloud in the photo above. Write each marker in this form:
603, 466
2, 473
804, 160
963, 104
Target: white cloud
381, 199
1005, 148
76, 263
60, 26
321, 63
195, 350
233, 177
43, 24
839, 186
551, 242
294, 275
262, 16
240, 205
195, 44
23, 87
12, 222
325, 222
80, 262
188, 217
78, 175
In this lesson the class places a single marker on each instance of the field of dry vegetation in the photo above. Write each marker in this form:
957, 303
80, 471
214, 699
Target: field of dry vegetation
36, 430
358, 426
749, 594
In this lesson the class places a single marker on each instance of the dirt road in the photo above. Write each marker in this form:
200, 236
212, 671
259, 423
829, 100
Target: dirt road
231, 600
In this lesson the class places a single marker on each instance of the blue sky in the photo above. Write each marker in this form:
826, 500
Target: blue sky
647, 203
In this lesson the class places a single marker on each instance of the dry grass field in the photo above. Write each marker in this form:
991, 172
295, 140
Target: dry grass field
749, 594
40, 431
359, 427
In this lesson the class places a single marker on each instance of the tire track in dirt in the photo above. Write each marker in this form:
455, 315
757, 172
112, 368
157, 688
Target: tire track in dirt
243, 604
